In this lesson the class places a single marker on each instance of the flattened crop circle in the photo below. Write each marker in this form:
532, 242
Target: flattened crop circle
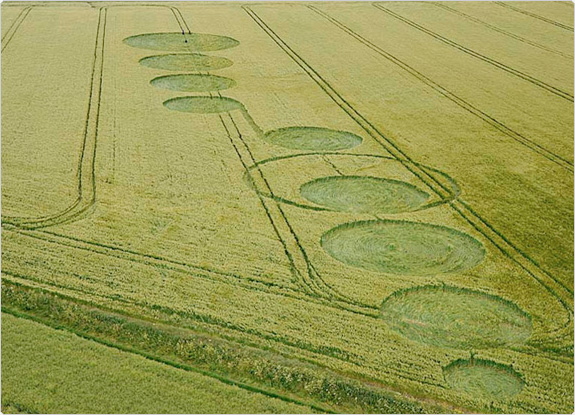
193, 82
186, 62
203, 105
286, 166
403, 248
177, 42
364, 194
456, 317
313, 138
483, 379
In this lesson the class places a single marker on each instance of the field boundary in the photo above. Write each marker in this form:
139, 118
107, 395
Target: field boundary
205, 320
155, 358
450, 95
136, 330
477, 55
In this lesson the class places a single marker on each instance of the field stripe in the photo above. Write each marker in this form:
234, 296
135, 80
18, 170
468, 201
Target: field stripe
554, 286
158, 359
14, 27
477, 55
499, 30
534, 15
451, 96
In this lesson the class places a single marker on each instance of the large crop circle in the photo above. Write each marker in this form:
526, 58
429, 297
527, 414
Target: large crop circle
186, 62
203, 105
456, 317
364, 194
289, 175
178, 42
483, 379
404, 248
193, 82
313, 138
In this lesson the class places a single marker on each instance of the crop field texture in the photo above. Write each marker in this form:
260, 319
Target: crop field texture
287, 207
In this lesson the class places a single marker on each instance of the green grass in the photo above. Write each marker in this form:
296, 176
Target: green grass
53, 371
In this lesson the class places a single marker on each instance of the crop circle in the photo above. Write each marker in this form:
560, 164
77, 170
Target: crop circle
403, 248
203, 105
364, 194
178, 42
483, 378
456, 317
288, 191
313, 138
186, 62
193, 82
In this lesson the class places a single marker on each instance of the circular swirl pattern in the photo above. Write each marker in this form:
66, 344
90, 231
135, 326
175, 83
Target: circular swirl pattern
483, 379
178, 42
456, 317
193, 82
364, 194
313, 138
403, 248
186, 62
203, 105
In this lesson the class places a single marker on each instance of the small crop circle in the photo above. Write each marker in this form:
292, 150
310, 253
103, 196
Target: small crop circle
483, 379
313, 138
193, 82
203, 105
186, 62
364, 194
456, 317
403, 248
178, 42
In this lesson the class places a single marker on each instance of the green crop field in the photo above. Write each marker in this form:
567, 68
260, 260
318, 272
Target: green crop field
347, 207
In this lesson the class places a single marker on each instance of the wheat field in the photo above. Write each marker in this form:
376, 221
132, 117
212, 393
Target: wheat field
343, 207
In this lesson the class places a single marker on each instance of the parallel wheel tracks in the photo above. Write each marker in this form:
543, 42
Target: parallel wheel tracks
86, 177
551, 284
502, 31
305, 274
550, 88
14, 27
451, 96
534, 15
